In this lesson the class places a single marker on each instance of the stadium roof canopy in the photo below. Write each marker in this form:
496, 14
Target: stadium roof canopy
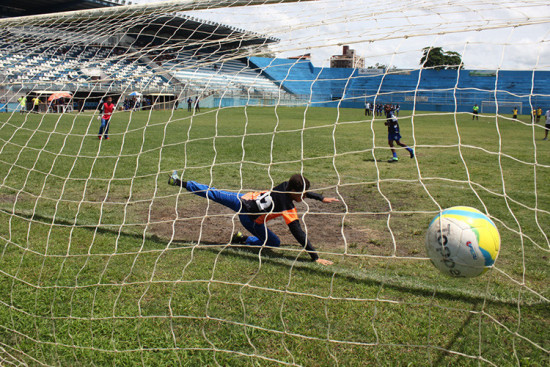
174, 27
14, 8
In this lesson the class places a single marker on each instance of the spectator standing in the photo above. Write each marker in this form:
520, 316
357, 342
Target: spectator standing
539, 114
197, 105
22, 104
35, 104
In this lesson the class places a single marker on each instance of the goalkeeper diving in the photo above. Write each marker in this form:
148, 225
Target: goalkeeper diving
257, 208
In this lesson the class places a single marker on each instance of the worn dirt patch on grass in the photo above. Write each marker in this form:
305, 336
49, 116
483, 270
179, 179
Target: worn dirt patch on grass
328, 225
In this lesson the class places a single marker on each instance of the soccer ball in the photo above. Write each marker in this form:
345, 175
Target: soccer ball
462, 242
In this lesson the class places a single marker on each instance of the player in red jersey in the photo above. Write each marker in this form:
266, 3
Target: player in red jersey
106, 109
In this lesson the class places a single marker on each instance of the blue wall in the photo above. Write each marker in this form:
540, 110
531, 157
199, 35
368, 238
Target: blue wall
436, 90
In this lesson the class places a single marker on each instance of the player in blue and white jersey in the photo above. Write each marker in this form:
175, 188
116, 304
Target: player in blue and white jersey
393, 134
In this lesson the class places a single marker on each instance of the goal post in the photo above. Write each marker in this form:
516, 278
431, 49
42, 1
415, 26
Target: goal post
106, 258
501, 107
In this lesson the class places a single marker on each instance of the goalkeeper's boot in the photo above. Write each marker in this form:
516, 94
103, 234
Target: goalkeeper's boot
239, 238
174, 179
393, 160
411, 153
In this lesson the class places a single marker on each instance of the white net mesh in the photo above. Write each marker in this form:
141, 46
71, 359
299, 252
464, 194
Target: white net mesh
102, 262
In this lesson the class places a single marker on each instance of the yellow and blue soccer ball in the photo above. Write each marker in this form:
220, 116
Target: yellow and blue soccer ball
462, 242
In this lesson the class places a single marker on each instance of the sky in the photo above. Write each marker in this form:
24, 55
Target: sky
500, 34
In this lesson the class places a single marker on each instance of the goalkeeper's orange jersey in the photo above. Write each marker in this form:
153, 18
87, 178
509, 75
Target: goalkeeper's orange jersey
263, 206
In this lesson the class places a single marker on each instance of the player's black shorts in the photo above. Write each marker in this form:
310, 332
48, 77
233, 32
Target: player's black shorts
394, 136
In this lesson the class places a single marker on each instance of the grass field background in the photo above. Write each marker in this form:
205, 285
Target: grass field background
102, 262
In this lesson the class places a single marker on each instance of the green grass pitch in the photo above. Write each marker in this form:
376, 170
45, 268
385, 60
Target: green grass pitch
102, 262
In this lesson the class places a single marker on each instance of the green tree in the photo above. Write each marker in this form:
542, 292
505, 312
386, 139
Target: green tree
382, 66
437, 58
377, 66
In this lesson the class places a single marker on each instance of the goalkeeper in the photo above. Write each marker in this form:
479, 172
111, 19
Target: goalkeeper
257, 208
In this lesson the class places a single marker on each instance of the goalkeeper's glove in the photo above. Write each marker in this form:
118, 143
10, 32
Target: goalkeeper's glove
174, 179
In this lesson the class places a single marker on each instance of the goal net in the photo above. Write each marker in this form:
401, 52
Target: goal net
501, 107
105, 261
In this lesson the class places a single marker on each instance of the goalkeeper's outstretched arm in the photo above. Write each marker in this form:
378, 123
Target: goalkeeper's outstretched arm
302, 239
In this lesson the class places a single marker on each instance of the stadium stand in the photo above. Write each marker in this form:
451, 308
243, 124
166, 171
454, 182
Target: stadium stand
44, 67
230, 77
437, 90
136, 59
